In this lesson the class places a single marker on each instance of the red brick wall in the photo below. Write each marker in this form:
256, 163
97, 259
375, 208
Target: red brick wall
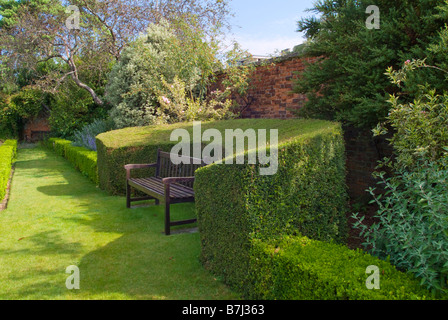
271, 87
272, 97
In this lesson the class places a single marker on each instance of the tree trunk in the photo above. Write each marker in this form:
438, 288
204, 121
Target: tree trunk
82, 85
95, 97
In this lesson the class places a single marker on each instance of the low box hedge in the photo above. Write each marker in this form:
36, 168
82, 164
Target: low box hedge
8, 153
297, 268
82, 159
307, 195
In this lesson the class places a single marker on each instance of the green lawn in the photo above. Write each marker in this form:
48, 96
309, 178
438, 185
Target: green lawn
57, 218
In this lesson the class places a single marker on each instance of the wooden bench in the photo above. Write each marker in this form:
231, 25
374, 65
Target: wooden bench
171, 184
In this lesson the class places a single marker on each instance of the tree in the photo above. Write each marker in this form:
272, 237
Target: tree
348, 83
164, 53
38, 33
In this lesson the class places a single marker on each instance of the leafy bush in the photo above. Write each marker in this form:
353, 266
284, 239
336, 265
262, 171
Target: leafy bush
420, 127
72, 109
166, 51
297, 268
86, 137
413, 213
82, 159
8, 152
413, 223
307, 195
178, 106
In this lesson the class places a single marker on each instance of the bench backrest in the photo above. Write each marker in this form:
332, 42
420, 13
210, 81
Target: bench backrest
166, 168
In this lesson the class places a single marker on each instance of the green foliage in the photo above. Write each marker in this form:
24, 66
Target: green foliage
112, 159
10, 8
8, 153
72, 109
165, 52
307, 195
413, 213
297, 268
348, 82
17, 108
412, 227
178, 106
81, 158
420, 127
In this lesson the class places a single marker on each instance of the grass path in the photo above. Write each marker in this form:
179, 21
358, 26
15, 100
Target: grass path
57, 218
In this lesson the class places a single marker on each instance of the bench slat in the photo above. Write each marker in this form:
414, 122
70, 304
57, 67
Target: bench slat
156, 185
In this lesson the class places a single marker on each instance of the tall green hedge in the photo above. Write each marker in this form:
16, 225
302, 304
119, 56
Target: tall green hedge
297, 268
8, 153
139, 144
235, 204
82, 159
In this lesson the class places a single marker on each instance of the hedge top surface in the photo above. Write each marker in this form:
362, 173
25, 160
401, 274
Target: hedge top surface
160, 134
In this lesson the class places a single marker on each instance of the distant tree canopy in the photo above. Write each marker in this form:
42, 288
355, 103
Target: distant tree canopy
60, 64
34, 32
349, 83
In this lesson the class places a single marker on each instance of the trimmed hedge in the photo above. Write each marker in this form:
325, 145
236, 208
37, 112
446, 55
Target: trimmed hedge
82, 159
139, 144
297, 268
8, 153
307, 196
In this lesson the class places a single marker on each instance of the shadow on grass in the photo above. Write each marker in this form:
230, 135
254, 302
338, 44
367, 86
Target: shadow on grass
45, 243
143, 262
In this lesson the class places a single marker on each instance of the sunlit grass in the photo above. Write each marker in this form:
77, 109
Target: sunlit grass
57, 218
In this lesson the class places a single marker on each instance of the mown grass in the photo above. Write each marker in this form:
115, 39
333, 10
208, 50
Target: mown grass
57, 218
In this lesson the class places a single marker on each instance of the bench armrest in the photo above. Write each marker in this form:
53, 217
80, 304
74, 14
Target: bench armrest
176, 180
130, 167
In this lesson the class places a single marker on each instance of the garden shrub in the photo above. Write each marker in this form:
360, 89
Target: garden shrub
412, 228
86, 136
8, 153
297, 268
419, 127
412, 216
83, 159
136, 81
235, 204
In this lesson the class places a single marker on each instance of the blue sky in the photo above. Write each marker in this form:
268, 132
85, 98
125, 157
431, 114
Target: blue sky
264, 26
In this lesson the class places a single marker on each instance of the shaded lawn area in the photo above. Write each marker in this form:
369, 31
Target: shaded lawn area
57, 218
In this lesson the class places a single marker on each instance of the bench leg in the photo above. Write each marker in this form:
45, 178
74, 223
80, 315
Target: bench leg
128, 195
167, 217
